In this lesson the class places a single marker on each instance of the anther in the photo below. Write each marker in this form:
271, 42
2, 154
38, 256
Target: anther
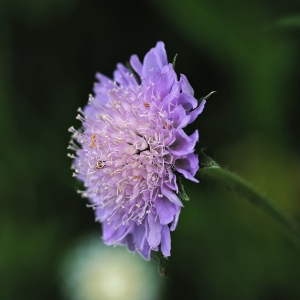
91, 98
93, 140
100, 164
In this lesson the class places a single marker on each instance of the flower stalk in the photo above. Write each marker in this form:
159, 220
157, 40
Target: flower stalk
211, 172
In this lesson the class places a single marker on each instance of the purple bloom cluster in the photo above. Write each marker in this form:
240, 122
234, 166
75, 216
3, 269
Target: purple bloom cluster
130, 147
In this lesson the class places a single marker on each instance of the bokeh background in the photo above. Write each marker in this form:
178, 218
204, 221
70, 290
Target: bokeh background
223, 248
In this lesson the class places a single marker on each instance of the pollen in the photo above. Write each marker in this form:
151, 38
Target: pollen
93, 140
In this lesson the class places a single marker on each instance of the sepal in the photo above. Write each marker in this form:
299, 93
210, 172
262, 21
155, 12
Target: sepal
206, 161
181, 192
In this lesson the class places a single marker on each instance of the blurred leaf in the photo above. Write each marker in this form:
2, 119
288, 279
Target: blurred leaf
37, 13
231, 34
289, 22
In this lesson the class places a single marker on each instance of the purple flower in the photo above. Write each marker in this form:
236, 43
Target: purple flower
132, 144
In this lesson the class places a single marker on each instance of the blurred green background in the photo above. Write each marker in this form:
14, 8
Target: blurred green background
248, 51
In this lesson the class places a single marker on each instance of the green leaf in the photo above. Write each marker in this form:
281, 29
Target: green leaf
207, 96
206, 161
160, 259
174, 61
181, 192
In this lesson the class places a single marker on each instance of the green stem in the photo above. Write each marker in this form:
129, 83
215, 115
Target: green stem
211, 172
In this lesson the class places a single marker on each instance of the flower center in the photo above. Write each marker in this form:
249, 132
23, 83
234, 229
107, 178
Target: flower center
124, 155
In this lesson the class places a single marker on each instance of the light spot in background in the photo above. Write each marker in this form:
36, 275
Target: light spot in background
93, 271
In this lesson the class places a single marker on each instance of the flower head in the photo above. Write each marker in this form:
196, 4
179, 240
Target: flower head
132, 144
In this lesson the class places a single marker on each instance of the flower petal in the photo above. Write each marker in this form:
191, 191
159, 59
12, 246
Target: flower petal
188, 166
129, 241
161, 52
104, 79
179, 117
146, 251
183, 143
154, 235
112, 233
142, 245
196, 112
174, 224
154, 60
102, 214
165, 241
101, 89
165, 82
136, 64
188, 102
165, 210
185, 86
139, 235
166, 191
121, 74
